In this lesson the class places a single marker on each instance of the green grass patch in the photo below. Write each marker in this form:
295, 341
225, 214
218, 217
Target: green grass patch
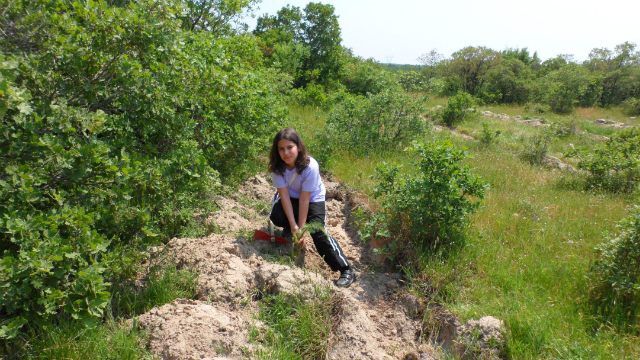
294, 328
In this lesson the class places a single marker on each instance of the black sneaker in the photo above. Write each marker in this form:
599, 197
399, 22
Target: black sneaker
347, 277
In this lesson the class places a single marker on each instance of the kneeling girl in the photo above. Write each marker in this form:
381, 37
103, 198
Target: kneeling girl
301, 198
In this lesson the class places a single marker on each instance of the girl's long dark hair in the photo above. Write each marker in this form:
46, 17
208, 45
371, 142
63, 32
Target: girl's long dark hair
276, 164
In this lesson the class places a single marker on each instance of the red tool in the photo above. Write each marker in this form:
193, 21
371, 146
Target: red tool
261, 235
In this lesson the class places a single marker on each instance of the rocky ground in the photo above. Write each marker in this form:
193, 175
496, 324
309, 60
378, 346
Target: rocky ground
378, 319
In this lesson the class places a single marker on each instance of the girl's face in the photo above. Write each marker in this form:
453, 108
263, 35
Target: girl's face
288, 151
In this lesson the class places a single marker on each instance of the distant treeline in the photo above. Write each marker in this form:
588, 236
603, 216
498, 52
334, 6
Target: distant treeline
306, 44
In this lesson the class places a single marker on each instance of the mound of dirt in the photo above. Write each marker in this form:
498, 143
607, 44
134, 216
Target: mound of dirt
377, 319
191, 329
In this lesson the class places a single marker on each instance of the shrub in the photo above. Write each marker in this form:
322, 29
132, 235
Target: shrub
457, 108
429, 207
377, 122
536, 148
488, 136
116, 125
631, 107
367, 77
614, 278
616, 165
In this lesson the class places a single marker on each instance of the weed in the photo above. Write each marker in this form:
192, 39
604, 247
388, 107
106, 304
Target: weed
488, 136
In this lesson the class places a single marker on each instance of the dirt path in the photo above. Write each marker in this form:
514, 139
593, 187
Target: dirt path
378, 319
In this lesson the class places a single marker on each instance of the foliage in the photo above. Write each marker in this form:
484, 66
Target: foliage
616, 165
313, 95
615, 71
457, 108
631, 107
413, 81
614, 278
468, 67
509, 81
373, 123
116, 125
215, 16
429, 207
536, 148
367, 77
488, 136
317, 29
561, 89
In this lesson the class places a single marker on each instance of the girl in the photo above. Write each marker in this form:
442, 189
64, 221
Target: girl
300, 198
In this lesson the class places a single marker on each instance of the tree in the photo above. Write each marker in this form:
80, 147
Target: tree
615, 69
322, 35
215, 16
430, 60
284, 27
467, 69
317, 29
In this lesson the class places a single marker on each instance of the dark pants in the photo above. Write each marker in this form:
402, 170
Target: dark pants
326, 245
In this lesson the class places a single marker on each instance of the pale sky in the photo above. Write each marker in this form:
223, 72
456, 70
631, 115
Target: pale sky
399, 31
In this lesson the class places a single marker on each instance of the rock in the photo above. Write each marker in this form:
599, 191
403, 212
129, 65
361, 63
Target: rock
600, 121
554, 162
481, 338
437, 107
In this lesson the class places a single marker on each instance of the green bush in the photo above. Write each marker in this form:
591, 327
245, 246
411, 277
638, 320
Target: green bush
429, 206
615, 166
367, 77
614, 278
377, 122
457, 109
488, 136
116, 125
631, 107
536, 148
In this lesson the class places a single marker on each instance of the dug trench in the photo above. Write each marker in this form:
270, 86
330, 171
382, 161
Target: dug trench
374, 318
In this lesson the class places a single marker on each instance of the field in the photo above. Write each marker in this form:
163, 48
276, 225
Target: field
530, 245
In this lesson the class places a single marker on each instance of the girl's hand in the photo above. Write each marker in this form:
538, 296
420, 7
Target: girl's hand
294, 229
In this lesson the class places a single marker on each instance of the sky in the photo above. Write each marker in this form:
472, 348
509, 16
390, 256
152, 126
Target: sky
400, 31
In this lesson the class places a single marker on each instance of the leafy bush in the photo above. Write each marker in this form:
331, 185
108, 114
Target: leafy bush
367, 77
614, 278
616, 165
413, 81
561, 89
488, 136
457, 108
312, 95
631, 107
535, 149
430, 206
376, 122
116, 125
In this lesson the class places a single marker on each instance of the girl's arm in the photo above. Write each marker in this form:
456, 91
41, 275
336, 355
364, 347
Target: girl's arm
303, 209
288, 209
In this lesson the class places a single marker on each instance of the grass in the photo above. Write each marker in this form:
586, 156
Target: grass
114, 338
529, 247
294, 328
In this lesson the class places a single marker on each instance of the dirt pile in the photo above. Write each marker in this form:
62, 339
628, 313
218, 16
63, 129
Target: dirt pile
377, 319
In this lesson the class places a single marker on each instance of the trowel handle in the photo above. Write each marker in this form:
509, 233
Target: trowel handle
271, 230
